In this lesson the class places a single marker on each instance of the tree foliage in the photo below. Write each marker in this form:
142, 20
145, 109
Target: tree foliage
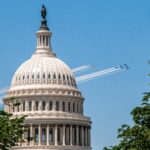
11, 128
136, 137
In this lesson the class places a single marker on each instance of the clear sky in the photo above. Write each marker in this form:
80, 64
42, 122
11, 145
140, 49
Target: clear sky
105, 33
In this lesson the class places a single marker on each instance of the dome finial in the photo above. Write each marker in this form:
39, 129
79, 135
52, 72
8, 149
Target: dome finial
43, 21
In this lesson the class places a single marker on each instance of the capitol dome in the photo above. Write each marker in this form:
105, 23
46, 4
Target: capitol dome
45, 71
45, 88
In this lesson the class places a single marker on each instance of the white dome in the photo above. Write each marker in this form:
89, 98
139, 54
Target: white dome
44, 71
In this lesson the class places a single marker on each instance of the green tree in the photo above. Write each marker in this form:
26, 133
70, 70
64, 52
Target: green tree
11, 128
136, 137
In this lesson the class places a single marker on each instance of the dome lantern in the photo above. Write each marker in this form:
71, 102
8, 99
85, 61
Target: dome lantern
44, 37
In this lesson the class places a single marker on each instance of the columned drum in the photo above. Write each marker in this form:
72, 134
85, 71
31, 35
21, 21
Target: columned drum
46, 89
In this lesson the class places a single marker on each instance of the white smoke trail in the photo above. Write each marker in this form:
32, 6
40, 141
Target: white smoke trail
4, 90
81, 68
1, 99
98, 74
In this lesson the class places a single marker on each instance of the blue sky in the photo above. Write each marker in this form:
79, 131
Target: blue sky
105, 33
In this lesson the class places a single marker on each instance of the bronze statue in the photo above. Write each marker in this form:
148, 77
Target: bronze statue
43, 21
43, 12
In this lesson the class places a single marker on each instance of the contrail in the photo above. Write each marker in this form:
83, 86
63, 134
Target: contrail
100, 73
78, 69
4, 90
1, 97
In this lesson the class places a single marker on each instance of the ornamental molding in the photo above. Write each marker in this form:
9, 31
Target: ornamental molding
45, 97
52, 121
44, 92
51, 115
54, 147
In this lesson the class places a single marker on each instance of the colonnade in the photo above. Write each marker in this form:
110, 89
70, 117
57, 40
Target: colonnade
43, 40
58, 134
45, 105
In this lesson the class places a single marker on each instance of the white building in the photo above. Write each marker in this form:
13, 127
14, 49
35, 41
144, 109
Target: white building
46, 88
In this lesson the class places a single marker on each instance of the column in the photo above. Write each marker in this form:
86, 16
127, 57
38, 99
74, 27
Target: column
64, 135
71, 135
89, 136
26, 105
31, 134
60, 105
47, 105
54, 105
82, 130
37, 42
86, 136
42, 41
40, 105
23, 136
56, 135
77, 135
21, 107
39, 134
33, 105
47, 135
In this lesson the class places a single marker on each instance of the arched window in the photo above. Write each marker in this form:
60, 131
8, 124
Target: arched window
73, 107
43, 134
37, 106
18, 108
28, 134
58, 135
64, 77
30, 106
50, 105
57, 106
43, 105
49, 76
69, 106
51, 135
54, 76
77, 107
38, 76
43, 76
36, 135
59, 77
33, 76
44, 40
63, 106
23, 106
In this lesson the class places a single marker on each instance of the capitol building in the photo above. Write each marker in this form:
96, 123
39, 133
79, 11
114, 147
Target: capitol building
46, 89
